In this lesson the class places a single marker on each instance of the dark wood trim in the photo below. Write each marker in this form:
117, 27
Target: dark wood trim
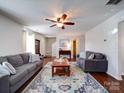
65, 52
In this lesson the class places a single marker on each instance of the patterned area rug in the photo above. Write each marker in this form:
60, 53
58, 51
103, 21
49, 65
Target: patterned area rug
78, 82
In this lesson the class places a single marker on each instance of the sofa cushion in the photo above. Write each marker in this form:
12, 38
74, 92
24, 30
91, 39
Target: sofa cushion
98, 56
21, 72
29, 67
25, 57
3, 59
15, 60
38, 63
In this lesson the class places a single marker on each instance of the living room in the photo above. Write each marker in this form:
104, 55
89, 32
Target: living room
85, 39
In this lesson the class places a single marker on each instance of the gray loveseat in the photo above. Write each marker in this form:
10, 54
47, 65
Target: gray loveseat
98, 64
24, 69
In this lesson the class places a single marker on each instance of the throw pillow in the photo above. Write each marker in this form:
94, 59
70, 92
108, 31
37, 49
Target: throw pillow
91, 56
3, 71
9, 67
34, 58
15, 60
25, 57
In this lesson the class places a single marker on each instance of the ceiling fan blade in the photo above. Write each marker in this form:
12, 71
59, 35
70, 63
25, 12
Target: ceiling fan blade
53, 25
68, 23
64, 16
50, 20
63, 27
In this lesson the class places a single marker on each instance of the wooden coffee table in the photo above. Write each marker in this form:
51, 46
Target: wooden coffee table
60, 68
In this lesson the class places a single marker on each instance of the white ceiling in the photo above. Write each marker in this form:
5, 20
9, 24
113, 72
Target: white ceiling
85, 13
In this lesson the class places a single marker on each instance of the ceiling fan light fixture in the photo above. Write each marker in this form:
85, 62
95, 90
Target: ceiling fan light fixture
60, 21
59, 24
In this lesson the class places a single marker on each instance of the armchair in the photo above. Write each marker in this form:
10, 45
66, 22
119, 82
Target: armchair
98, 64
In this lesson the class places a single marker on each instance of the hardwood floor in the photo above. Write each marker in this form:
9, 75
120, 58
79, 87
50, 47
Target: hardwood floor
108, 82
111, 84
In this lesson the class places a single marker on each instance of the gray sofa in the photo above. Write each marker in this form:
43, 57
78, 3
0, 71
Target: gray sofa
98, 64
24, 69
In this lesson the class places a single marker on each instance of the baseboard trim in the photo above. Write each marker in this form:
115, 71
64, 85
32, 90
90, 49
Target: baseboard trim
114, 76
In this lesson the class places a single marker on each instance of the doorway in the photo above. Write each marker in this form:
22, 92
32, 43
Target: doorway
121, 47
74, 49
37, 46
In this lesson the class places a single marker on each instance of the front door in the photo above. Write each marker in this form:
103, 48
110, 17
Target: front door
37, 46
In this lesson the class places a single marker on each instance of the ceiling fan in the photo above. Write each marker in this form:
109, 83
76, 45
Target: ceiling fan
113, 2
60, 21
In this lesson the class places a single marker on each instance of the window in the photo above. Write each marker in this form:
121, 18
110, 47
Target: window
30, 42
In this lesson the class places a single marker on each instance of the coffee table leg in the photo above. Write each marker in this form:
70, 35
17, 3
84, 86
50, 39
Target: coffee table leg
68, 71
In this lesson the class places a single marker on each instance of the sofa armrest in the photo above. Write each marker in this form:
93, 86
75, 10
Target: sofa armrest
4, 84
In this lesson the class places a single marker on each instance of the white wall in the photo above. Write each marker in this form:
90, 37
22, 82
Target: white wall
42, 39
106, 31
11, 37
80, 42
121, 47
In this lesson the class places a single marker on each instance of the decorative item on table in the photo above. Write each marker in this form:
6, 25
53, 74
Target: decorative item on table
64, 59
58, 60
61, 59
